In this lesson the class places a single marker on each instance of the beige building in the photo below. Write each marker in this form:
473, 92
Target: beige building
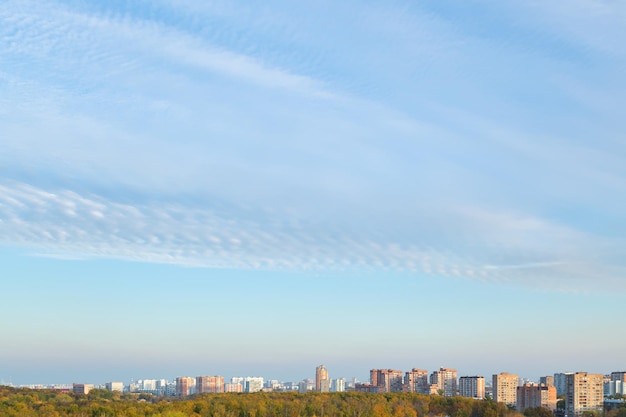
322, 383
416, 380
472, 387
81, 388
445, 380
114, 386
533, 396
388, 380
504, 386
584, 392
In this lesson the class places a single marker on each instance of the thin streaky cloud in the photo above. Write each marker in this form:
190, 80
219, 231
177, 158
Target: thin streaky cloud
150, 45
62, 32
64, 223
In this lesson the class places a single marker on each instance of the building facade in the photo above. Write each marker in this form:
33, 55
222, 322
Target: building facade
252, 384
369, 388
209, 384
322, 383
114, 386
584, 392
230, 387
388, 380
445, 381
472, 387
416, 380
82, 388
560, 382
614, 388
619, 376
185, 385
504, 386
338, 385
533, 396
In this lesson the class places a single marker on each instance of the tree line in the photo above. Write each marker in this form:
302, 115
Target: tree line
21, 402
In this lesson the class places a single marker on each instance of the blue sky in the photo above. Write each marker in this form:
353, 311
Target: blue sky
254, 189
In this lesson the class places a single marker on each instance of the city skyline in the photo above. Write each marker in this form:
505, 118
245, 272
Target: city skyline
377, 377
582, 391
190, 186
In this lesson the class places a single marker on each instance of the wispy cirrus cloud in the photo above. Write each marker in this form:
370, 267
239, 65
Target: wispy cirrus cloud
111, 46
491, 247
138, 102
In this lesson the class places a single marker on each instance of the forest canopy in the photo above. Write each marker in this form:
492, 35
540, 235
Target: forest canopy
21, 402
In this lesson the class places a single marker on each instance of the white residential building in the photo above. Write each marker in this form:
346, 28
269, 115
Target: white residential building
252, 384
114, 386
338, 385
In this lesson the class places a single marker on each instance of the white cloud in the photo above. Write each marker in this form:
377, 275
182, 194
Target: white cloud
498, 247
86, 94
103, 46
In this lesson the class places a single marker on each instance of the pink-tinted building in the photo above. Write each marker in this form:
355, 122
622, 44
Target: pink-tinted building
389, 380
533, 396
185, 386
209, 384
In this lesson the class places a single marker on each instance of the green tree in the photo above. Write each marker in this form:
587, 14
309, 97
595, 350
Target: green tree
538, 412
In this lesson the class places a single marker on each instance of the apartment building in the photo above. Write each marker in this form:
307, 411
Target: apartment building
504, 386
533, 396
445, 380
472, 387
584, 392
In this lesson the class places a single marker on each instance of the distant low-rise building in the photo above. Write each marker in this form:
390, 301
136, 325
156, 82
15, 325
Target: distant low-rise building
371, 388
114, 386
230, 387
151, 386
81, 388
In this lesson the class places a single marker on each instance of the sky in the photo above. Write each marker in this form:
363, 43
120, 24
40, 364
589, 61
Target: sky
257, 188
